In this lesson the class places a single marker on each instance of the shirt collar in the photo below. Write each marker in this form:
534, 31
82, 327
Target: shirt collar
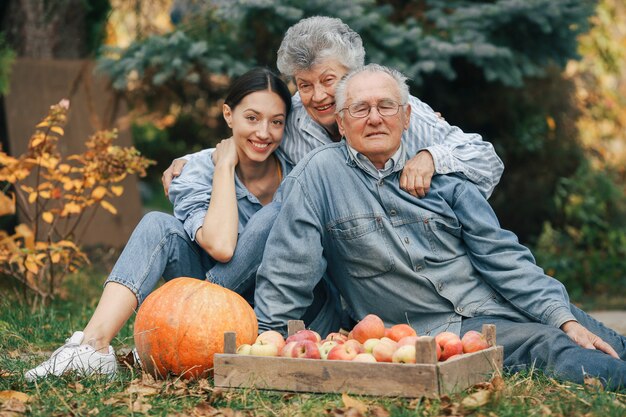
393, 164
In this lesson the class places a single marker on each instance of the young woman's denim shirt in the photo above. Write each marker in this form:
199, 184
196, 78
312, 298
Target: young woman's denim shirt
452, 149
190, 193
428, 262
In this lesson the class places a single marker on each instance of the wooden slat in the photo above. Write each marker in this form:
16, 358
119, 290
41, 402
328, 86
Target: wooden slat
426, 350
230, 342
489, 331
306, 375
294, 326
464, 371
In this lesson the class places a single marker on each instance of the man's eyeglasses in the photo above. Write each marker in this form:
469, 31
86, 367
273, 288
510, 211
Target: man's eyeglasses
362, 109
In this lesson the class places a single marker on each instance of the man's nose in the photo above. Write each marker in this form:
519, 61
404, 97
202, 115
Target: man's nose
374, 117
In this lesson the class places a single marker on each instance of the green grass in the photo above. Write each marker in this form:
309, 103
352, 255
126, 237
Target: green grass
27, 337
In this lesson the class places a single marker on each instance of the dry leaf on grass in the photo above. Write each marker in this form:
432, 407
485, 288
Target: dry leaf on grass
140, 406
350, 402
378, 411
477, 399
593, 382
498, 383
13, 405
13, 395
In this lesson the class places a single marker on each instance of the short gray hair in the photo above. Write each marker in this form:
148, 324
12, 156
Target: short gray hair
399, 78
316, 38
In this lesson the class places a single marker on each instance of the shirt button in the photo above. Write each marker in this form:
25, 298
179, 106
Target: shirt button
459, 309
393, 212
440, 286
418, 268
406, 240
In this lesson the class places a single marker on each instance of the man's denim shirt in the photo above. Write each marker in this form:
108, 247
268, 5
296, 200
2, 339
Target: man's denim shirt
190, 193
428, 262
452, 150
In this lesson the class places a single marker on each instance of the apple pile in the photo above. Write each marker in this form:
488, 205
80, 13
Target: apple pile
369, 341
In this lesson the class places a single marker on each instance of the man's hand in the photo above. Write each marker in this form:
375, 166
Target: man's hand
583, 337
417, 173
172, 172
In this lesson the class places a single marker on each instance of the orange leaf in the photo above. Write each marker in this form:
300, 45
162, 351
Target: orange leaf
25, 232
47, 217
32, 197
58, 130
99, 192
350, 402
31, 264
71, 208
118, 190
7, 205
15, 395
108, 207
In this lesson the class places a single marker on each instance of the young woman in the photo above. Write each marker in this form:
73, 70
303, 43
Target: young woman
212, 204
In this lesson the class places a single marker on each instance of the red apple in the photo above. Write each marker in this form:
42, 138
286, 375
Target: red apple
450, 344
343, 352
408, 340
473, 341
383, 351
305, 349
287, 350
311, 335
371, 327
355, 344
337, 337
326, 347
398, 331
404, 354
364, 357
272, 336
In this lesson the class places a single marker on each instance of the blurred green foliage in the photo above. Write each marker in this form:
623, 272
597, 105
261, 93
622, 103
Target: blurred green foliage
7, 56
586, 246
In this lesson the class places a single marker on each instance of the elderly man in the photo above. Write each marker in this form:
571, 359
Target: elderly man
439, 263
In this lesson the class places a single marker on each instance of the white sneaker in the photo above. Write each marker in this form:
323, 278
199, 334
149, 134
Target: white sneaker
73, 356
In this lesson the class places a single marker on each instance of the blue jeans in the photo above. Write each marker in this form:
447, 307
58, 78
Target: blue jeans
551, 350
160, 247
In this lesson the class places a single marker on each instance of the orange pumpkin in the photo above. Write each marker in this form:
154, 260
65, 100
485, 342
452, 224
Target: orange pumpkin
181, 325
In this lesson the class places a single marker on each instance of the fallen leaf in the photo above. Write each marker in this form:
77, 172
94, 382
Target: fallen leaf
93, 412
139, 406
378, 411
14, 405
13, 395
498, 383
141, 389
350, 402
204, 409
593, 382
477, 399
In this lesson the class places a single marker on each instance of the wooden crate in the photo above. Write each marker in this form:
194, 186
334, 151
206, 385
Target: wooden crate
427, 378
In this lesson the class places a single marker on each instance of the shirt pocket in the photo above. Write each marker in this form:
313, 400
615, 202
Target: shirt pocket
444, 236
362, 246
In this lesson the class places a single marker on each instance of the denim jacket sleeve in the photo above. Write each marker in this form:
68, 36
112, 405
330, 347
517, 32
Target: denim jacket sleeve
190, 193
452, 149
293, 261
505, 264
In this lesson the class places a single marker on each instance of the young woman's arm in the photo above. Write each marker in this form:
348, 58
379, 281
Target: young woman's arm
218, 234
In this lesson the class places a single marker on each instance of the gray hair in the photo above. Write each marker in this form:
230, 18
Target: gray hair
399, 78
316, 38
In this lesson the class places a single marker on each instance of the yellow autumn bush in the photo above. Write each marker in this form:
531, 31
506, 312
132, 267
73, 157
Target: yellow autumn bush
55, 195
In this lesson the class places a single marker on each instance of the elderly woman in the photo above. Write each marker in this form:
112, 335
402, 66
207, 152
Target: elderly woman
317, 52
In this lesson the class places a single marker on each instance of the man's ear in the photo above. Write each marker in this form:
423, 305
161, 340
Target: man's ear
407, 116
228, 115
339, 123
